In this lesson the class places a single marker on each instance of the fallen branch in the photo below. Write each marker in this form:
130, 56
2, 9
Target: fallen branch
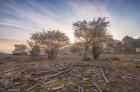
59, 73
29, 89
16, 84
104, 77
94, 84
97, 87
57, 88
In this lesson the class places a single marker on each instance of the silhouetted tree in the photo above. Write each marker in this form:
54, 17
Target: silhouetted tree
50, 41
81, 32
93, 34
98, 34
20, 50
34, 48
77, 48
128, 44
118, 48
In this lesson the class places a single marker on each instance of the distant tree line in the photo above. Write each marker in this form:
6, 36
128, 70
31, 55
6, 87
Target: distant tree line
127, 45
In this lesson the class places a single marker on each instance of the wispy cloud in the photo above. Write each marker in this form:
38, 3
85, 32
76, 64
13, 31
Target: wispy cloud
25, 17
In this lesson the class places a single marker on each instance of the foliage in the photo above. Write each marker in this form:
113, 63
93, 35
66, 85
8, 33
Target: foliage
93, 34
99, 35
77, 48
51, 41
81, 32
129, 44
20, 50
35, 50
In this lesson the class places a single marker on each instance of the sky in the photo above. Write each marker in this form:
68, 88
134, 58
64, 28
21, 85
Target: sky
20, 18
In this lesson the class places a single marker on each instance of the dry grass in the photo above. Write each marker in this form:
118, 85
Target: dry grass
70, 74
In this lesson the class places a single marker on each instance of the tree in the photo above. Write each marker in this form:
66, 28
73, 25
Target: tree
77, 48
98, 35
34, 48
93, 34
118, 47
128, 44
20, 50
81, 32
51, 41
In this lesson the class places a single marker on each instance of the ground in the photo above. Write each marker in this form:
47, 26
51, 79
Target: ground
110, 73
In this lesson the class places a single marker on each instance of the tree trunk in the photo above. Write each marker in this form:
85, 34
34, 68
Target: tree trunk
85, 52
96, 52
52, 54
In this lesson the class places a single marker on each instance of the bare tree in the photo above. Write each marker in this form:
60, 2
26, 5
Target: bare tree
34, 48
20, 50
50, 41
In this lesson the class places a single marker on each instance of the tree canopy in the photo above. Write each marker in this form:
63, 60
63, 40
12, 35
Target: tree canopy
50, 41
20, 49
93, 33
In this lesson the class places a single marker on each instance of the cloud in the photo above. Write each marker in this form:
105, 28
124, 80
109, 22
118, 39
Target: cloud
31, 16
34, 17
122, 26
89, 10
